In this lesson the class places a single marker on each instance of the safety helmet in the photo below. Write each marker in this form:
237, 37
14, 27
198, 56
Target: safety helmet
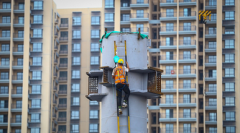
120, 61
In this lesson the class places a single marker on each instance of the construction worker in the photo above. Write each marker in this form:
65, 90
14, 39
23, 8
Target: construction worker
119, 74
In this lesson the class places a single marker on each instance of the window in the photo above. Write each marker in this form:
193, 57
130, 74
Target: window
212, 73
169, 98
76, 61
186, 55
37, 61
169, 128
4, 90
94, 60
230, 129
212, 116
229, 15
212, 30
75, 87
76, 20
76, 47
212, 45
169, 113
125, 29
186, 98
169, 41
169, 13
94, 47
229, 72
212, 102
64, 61
169, 55
20, 62
212, 2
109, 3
229, 30
93, 128
62, 101
5, 33
6, 19
169, 27
36, 103
37, 32
19, 89
94, 33
212, 59
125, 17
38, 5
21, 6
75, 100
140, 26
19, 104
229, 86
37, 75
186, 113
19, 76
37, 19
140, 13
5, 62
64, 20
109, 17
74, 128
125, 5
35, 130
229, 3
229, 58
75, 74
62, 128
5, 47
4, 75
95, 20
63, 74
187, 84
230, 116
17, 130
212, 87
20, 48
213, 16
169, 84
140, 1
93, 114
35, 117
64, 34
64, 48
187, 12
186, 40
75, 115
187, 26
36, 89
229, 43
229, 101
63, 87
37, 47
187, 128
6, 5
93, 103
76, 34
186, 69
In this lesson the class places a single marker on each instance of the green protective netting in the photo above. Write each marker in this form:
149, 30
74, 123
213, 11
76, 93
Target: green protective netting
106, 35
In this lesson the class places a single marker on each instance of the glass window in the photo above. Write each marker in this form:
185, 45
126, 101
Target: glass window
169, 27
230, 115
4, 90
35, 117
212, 2
76, 47
187, 84
20, 48
63, 74
187, 128
186, 40
212, 59
76, 20
229, 2
212, 116
212, 45
229, 43
21, 6
169, 84
140, 26
169, 55
187, 26
37, 19
186, 113
140, 13
169, 128
186, 55
76, 61
20, 20
109, 17
6, 19
64, 20
213, 16
187, 12
93, 114
75, 87
36, 103
229, 58
37, 47
38, 5
212, 30
229, 87
125, 29
4, 75
5, 47
75, 128
229, 30
75, 115
62, 100
94, 60
17, 130
229, 72
76, 34
124, 4
229, 101
94, 33
169, 113
169, 69
35, 130
36, 89
64, 34
63, 87
186, 69
169, 98
6, 5
5, 62
140, 1
93, 128
36, 75
93, 103
212, 102
229, 15
75, 74
62, 128
5, 33
186, 98
94, 47
169, 13
63, 60
230, 129
63, 47
95, 20
37, 32
19, 75
37, 61
212, 87
125, 17
109, 3
75, 100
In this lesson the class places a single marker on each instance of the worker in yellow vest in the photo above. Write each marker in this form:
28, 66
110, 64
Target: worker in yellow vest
119, 74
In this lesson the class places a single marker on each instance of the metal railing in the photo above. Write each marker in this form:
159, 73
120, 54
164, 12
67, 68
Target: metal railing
168, 1
168, 28
79, 36
170, 57
4, 63
207, 75
62, 119
187, 86
55, 88
187, 100
142, 29
187, 71
209, 118
76, 50
34, 120
210, 89
211, 46
187, 115
37, 35
37, 22
63, 52
36, 7
5, 7
92, 85
17, 77
62, 105
207, 60
210, 103
75, 103
168, 101
187, 42
63, 38
14, 120
4, 91
4, 77
63, 65
187, 130
16, 106
187, 14
187, 56
16, 7
168, 14
229, 31
139, 1
17, 49
18, 35
211, 2
63, 25
139, 15
61, 132
210, 32
168, 115
15, 91
168, 86
16, 21
169, 71
168, 130
5, 21
62, 79
187, 0
168, 43
17, 63
187, 28
5, 35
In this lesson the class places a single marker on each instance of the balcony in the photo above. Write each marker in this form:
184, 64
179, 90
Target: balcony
210, 77
211, 5
5, 22
4, 52
187, 130
125, 20
62, 79
17, 51
210, 120
125, 6
63, 39
168, 3
63, 26
36, 22
63, 52
34, 121
187, 3
16, 107
168, 102
166, 45
16, 122
76, 50
79, 36
37, 7
211, 105
210, 91
169, 74
63, 65
210, 33
4, 79
187, 87
16, 93
187, 73
209, 62
171, 59
139, 4
165, 117
4, 93
168, 88
5, 37
139, 17
187, 44
210, 48
17, 65
62, 119
62, 106
5, 9
36, 36
143, 30
187, 102
18, 37
168, 30
187, 117
4, 64
17, 79
187, 30
228, 34
62, 92
168, 16
187, 58
187, 15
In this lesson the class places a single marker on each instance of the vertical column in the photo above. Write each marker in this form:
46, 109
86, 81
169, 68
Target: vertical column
204, 73
177, 58
197, 67
117, 15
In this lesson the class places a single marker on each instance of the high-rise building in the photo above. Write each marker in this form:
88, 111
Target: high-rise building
45, 53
